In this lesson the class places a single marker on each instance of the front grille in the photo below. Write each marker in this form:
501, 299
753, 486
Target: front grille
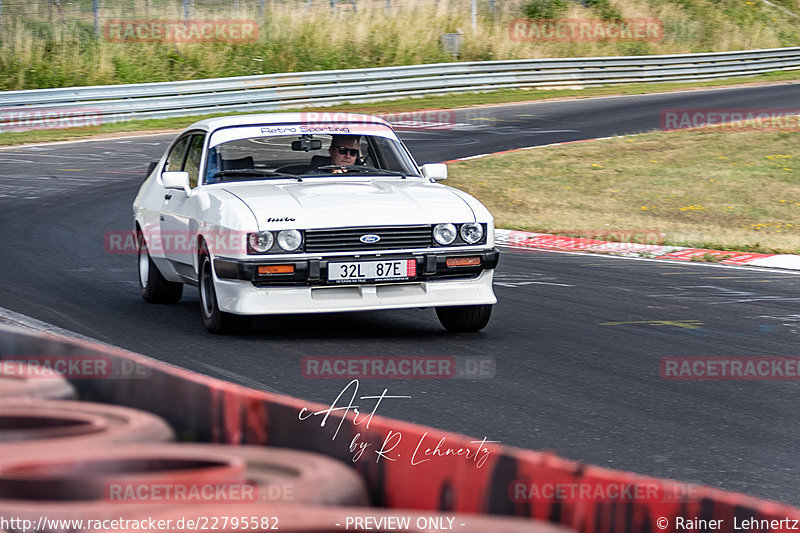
347, 239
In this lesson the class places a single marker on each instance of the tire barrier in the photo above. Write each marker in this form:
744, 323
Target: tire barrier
91, 474
294, 476
309, 519
207, 409
99, 483
59, 424
18, 380
87, 484
276, 475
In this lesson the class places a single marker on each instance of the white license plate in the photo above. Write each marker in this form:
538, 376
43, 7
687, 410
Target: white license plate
397, 269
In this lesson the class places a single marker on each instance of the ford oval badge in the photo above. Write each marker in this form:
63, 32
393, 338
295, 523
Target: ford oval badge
369, 239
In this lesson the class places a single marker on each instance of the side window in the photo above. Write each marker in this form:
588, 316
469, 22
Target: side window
175, 158
212, 166
192, 165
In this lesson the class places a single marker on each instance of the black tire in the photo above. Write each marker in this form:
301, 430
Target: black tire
216, 321
154, 288
464, 317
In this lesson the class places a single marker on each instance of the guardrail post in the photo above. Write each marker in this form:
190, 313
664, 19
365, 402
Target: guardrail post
96, 15
474, 15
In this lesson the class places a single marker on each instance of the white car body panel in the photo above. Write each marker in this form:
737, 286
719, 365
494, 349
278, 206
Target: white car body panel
236, 208
323, 203
242, 298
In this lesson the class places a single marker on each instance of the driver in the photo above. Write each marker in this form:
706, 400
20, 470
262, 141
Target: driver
343, 151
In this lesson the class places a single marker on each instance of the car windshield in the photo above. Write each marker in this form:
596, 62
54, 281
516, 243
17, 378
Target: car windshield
307, 156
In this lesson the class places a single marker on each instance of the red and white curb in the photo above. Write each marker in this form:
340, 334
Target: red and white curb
545, 241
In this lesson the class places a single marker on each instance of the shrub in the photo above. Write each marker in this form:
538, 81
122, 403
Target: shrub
544, 9
604, 8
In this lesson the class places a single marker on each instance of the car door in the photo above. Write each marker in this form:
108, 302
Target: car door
175, 217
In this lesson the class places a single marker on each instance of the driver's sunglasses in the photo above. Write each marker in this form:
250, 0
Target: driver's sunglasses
343, 150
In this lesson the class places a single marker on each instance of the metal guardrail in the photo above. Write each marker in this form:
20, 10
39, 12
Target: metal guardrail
287, 91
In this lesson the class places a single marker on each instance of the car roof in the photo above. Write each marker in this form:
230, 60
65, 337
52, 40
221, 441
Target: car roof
211, 124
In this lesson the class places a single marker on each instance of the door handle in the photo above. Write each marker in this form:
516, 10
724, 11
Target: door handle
167, 196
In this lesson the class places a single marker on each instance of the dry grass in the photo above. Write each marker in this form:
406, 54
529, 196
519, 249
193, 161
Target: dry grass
731, 190
293, 37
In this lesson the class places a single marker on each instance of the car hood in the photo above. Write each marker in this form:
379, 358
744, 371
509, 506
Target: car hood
329, 204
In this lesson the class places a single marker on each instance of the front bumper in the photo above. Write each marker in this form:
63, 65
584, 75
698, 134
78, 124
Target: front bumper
314, 272
241, 290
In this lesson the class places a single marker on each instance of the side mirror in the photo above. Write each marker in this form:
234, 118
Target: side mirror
435, 171
176, 180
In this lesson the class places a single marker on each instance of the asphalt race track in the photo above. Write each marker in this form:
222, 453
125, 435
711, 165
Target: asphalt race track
576, 340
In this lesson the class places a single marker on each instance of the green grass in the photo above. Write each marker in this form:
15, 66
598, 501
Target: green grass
407, 104
721, 189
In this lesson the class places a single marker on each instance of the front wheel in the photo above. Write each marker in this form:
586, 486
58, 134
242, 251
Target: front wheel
153, 286
217, 321
464, 317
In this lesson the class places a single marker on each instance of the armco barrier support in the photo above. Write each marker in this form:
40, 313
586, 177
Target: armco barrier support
212, 410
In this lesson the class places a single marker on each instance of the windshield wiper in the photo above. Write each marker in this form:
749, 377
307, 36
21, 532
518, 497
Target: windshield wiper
253, 172
363, 169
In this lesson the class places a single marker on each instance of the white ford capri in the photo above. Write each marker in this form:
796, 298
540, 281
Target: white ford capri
277, 214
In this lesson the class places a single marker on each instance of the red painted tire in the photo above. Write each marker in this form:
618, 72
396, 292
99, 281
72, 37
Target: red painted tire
18, 380
81, 474
306, 519
293, 476
34, 423
93, 483
82, 483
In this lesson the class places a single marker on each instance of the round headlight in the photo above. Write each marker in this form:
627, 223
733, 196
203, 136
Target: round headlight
290, 239
260, 242
471, 232
444, 234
